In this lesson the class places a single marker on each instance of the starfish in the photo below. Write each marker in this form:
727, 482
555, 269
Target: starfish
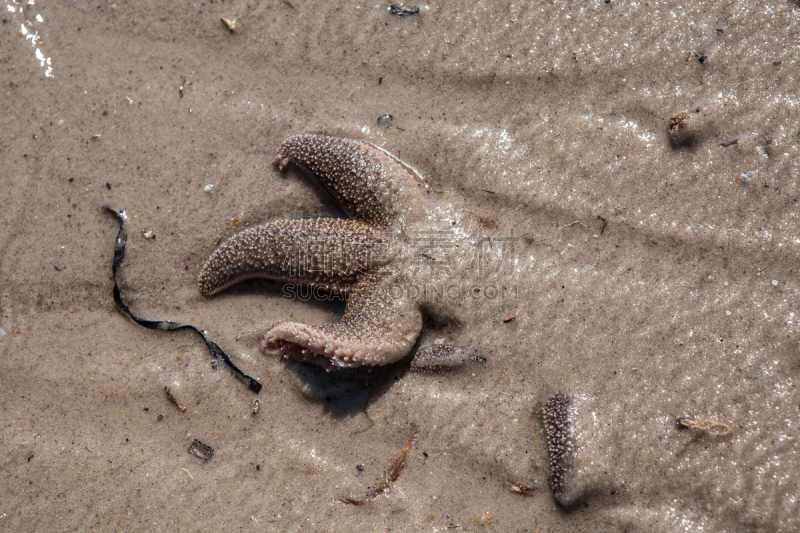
363, 257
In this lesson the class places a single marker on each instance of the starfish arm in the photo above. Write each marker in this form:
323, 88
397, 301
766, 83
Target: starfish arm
438, 359
379, 327
329, 253
368, 183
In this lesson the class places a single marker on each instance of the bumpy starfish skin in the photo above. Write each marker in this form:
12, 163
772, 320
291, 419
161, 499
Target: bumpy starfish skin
377, 328
365, 181
363, 257
327, 253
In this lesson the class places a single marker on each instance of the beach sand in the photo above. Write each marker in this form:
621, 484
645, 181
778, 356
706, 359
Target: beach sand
654, 274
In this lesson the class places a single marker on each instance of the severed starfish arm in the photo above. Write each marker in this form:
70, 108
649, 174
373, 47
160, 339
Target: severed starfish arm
380, 325
368, 183
329, 253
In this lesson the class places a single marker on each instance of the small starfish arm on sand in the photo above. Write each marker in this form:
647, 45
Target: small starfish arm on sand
380, 323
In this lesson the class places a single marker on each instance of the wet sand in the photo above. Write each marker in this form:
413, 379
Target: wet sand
654, 273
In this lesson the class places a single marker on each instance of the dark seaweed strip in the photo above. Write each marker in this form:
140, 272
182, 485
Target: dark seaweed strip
166, 325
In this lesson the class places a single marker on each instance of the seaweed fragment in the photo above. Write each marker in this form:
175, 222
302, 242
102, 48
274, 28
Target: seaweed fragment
605, 223
352, 501
391, 475
165, 325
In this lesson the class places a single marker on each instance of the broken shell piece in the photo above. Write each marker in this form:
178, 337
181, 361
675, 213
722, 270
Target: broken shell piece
230, 23
521, 489
403, 11
710, 427
174, 400
198, 449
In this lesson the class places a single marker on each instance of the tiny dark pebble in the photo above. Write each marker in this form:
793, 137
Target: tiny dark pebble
108, 186
146, 409
702, 58
719, 32
403, 11
30, 457
258, 468
198, 449
360, 467
57, 268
